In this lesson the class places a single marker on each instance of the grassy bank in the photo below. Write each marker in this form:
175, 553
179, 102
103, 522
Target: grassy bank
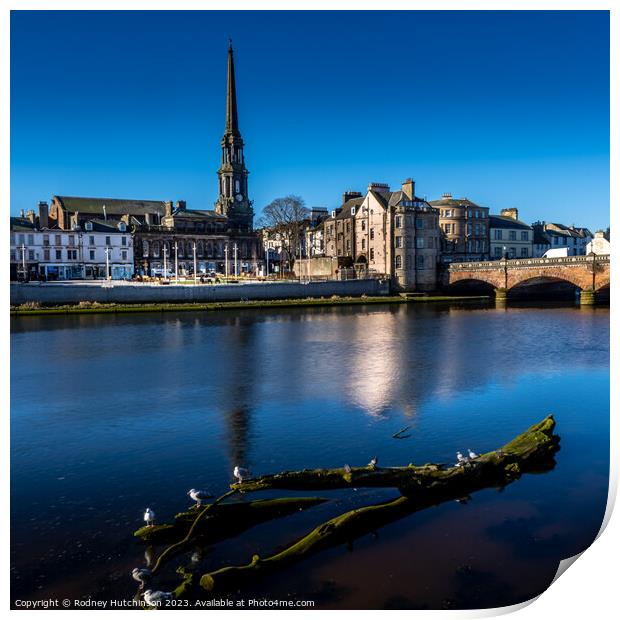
99, 308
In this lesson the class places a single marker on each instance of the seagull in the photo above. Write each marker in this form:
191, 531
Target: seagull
373, 462
240, 473
149, 516
460, 459
154, 599
472, 454
347, 469
198, 495
141, 575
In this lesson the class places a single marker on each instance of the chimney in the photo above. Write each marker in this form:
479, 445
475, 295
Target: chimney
379, 187
75, 220
349, 195
31, 216
168, 208
409, 188
446, 196
43, 214
511, 213
21, 213
181, 204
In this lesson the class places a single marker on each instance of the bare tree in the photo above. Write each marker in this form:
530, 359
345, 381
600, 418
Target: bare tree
285, 216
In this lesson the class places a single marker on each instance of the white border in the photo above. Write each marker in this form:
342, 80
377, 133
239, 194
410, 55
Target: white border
589, 587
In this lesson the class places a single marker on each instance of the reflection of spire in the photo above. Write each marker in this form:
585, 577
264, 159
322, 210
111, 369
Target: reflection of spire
238, 426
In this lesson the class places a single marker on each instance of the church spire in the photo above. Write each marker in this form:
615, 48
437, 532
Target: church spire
232, 124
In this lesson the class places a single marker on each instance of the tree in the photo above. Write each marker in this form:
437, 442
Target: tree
285, 216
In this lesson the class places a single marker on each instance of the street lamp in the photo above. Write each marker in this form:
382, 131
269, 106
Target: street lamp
226, 260
165, 264
195, 269
107, 263
176, 262
236, 266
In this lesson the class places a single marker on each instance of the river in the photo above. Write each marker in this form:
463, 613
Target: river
110, 414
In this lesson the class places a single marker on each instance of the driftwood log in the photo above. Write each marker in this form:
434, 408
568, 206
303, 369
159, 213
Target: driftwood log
420, 487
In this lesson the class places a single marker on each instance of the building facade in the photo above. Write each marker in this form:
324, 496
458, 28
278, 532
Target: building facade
102, 250
509, 236
553, 236
464, 229
599, 245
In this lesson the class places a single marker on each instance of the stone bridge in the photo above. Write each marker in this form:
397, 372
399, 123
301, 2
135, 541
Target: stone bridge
588, 273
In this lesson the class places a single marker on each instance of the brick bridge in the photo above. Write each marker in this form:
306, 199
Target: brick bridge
588, 273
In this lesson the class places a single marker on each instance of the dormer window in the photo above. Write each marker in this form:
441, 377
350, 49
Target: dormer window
122, 227
88, 226
352, 210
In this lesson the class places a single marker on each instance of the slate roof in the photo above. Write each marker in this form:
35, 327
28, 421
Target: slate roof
345, 212
21, 224
209, 214
454, 202
113, 206
502, 221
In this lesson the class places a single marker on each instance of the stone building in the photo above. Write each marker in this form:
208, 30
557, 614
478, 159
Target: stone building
465, 229
574, 239
599, 245
97, 249
397, 234
510, 237
339, 230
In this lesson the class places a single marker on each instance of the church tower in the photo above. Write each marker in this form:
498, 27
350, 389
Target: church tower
233, 201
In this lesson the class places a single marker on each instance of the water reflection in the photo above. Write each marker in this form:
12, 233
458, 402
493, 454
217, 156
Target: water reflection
113, 413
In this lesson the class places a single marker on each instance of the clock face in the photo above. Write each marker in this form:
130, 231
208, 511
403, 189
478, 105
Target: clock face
239, 197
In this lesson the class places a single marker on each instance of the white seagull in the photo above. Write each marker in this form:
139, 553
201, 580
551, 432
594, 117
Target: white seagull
240, 473
155, 599
373, 462
460, 459
149, 517
198, 495
347, 468
141, 575
472, 454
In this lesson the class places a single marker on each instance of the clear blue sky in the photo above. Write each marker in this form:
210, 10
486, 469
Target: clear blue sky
509, 109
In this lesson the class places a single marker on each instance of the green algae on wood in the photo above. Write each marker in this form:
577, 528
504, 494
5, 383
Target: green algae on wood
530, 452
226, 520
525, 450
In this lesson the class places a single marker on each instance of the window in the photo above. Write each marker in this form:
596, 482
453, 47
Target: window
512, 252
71, 239
72, 254
372, 233
363, 224
497, 252
399, 242
91, 240
363, 244
46, 254
512, 235
498, 233
419, 222
57, 240
398, 221
523, 252
92, 254
372, 254
22, 239
107, 241
419, 243
30, 254
30, 239
124, 254
13, 255
399, 261
556, 240
46, 239
448, 212
420, 261
524, 235
348, 227
348, 246
469, 229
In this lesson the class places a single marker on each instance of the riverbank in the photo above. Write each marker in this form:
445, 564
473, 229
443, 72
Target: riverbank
31, 309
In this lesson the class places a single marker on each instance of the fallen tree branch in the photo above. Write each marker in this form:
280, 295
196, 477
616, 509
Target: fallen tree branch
422, 487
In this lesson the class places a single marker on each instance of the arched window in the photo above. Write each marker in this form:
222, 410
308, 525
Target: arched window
180, 248
200, 248
399, 261
156, 248
209, 249
190, 248
145, 248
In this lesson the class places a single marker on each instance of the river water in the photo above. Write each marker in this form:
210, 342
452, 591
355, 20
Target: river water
110, 414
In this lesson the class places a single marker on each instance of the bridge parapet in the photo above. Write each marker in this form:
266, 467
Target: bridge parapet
520, 263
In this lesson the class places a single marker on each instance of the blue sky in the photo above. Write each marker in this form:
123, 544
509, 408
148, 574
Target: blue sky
509, 109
